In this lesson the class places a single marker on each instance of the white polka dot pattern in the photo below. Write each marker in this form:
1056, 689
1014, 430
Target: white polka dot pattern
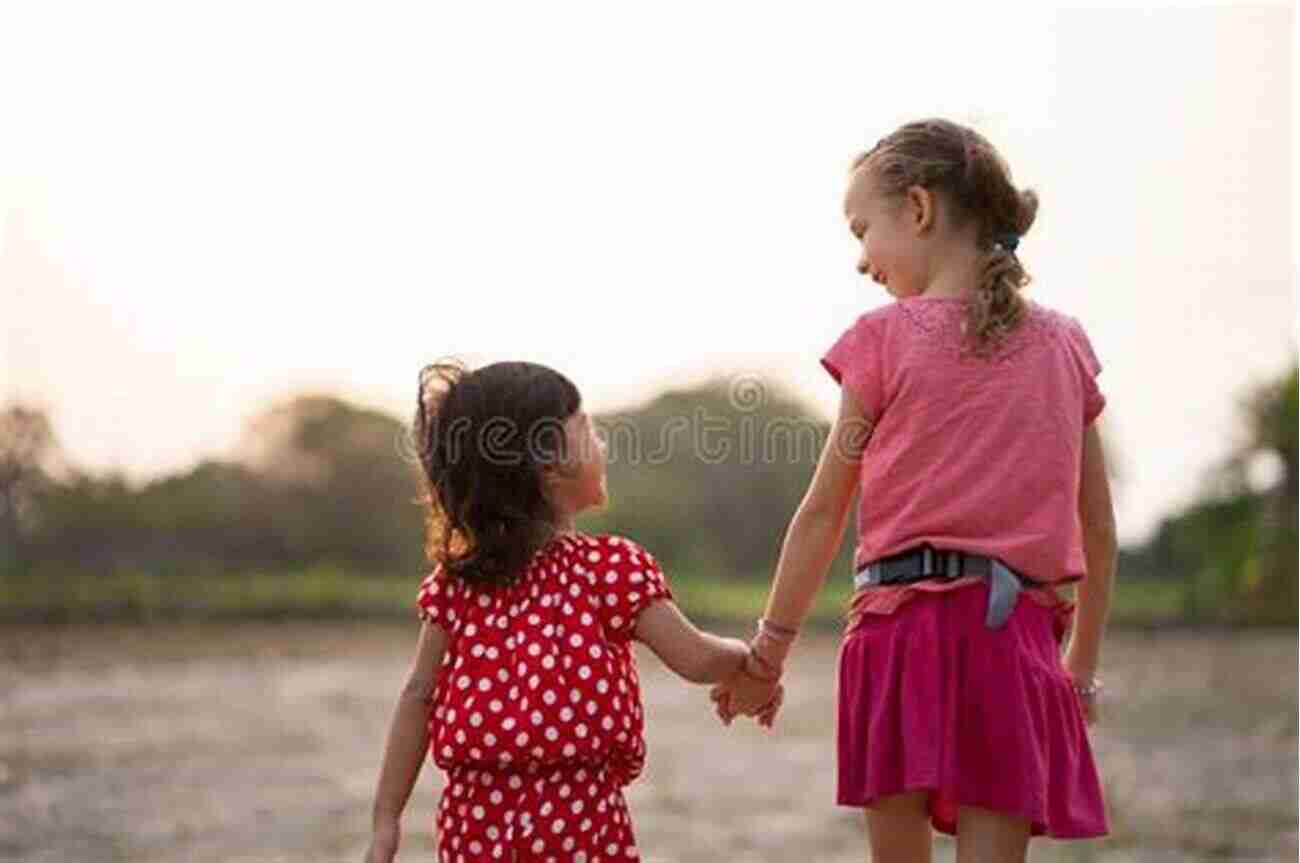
541, 675
565, 813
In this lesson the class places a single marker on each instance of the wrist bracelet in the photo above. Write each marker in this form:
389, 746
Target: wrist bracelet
1092, 688
764, 663
771, 673
771, 652
774, 630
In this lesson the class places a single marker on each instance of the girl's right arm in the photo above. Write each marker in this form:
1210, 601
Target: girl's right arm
1100, 547
810, 545
815, 532
408, 742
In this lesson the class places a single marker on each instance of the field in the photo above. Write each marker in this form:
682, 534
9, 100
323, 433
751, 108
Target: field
261, 741
326, 591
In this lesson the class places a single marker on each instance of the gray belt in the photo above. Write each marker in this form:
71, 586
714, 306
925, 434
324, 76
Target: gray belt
929, 563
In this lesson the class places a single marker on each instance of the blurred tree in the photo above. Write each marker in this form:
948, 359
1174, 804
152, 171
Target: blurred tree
340, 484
29, 457
1263, 582
314, 480
708, 478
1236, 547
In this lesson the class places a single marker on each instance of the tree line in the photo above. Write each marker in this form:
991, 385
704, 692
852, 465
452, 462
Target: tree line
706, 477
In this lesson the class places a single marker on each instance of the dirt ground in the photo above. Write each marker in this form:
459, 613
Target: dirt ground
262, 742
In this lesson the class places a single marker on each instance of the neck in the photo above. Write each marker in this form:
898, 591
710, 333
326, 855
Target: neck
957, 275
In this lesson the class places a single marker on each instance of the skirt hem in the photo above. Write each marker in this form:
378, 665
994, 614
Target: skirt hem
1038, 827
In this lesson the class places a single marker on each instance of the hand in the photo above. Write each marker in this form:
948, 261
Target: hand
384, 840
720, 695
1082, 675
767, 714
1089, 704
743, 694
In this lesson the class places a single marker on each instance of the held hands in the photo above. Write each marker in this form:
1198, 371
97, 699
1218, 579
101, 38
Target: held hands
755, 688
742, 694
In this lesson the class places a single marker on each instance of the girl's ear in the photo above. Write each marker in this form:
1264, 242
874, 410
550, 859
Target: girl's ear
920, 208
551, 473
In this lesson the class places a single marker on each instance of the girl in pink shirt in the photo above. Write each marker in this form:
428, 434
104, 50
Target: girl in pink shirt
967, 426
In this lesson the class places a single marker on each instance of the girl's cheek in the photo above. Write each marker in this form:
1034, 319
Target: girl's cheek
595, 476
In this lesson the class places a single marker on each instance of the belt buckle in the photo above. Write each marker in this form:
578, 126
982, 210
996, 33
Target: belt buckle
927, 560
942, 563
867, 576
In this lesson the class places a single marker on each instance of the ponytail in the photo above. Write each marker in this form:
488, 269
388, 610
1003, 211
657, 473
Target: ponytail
945, 156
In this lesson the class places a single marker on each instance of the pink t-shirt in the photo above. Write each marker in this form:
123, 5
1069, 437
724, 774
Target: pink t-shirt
982, 455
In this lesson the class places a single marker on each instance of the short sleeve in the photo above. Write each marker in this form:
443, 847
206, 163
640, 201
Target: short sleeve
854, 361
436, 600
628, 581
1093, 398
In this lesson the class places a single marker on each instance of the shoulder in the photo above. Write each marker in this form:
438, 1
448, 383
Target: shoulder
436, 581
615, 548
1068, 330
614, 557
628, 574
863, 336
439, 597
1052, 319
880, 314
875, 321
1068, 339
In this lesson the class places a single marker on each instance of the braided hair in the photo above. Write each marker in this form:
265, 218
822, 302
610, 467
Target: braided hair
959, 163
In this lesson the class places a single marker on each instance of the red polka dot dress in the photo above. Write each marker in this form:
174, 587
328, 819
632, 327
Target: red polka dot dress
537, 718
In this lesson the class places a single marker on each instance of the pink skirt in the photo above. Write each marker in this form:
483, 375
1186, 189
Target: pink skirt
929, 698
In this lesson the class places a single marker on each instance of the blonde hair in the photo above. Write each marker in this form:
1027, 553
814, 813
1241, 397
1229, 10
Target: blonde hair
975, 180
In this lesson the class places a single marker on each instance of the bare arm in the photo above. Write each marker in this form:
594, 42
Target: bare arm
818, 524
697, 656
1100, 546
809, 547
408, 735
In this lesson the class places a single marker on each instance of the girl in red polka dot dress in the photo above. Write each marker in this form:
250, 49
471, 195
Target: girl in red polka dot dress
524, 685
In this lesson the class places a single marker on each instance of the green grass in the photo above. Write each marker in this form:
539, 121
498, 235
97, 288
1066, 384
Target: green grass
1147, 601
332, 591
741, 602
320, 591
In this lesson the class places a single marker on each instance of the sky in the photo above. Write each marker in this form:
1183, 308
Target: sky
207, 209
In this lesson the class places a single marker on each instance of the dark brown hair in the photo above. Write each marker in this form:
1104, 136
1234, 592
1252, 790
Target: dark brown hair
482, 438
962, 166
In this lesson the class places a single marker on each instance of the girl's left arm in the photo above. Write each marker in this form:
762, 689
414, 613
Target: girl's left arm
408, 735
818, 524
809, 547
